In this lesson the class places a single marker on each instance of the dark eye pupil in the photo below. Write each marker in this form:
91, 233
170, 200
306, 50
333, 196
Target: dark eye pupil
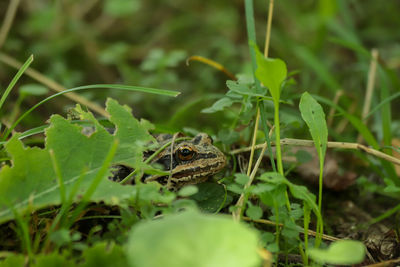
186, 152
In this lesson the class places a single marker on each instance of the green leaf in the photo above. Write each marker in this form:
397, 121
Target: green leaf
244, 89
219, 105
298, 191
33, 89
241, 178
188, 191
14, 260
391, 186
343, 252
314, 116
271, 73
61, 237
121, 8
31, 180
275, 197
210, 197
356, 122
192, 239
254, 212
50, 260
103, 254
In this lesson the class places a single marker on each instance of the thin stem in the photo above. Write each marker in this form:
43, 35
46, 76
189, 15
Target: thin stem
320, 223
269, 23
310, 232
8, 20
278, 138
341, 145
237, 214
369, 89
253, 143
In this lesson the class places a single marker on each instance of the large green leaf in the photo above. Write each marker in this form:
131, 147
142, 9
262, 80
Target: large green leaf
192, 239
31, 181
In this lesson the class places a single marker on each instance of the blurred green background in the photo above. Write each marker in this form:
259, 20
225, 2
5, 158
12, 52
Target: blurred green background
326, 46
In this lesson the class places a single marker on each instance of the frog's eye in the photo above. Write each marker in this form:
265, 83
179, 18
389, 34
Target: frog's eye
185, 153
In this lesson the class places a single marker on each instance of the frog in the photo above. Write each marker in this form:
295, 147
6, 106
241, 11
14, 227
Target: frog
193, 161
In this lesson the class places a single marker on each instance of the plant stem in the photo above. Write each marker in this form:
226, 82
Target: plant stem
253, 143
320, 223
278, 137
269, 23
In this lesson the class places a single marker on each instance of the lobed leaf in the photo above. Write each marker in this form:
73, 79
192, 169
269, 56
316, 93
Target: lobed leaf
31, 181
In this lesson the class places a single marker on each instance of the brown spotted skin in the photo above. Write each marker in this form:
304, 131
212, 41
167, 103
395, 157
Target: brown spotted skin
193, 161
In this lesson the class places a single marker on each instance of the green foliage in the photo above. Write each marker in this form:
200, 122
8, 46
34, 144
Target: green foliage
14, 80
51, 260
121, 8
210, 198
101, 254
314, 116
47, 182
104, 254
271, 73
192, 239
343, 252
30, 183
299, 192
219, 105
13, 260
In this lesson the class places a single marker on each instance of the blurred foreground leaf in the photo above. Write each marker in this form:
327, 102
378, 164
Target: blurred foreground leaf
343, 252
192, 239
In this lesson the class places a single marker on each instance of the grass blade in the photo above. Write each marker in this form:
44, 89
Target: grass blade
15, 80
94, 86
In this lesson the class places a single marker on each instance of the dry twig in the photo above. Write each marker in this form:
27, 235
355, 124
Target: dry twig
341, 145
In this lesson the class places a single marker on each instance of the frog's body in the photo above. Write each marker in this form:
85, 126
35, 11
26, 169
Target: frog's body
192, 161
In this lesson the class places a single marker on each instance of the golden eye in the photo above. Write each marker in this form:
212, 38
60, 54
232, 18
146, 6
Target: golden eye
185, 153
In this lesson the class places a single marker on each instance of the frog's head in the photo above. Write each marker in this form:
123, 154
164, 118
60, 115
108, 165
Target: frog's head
193, 161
